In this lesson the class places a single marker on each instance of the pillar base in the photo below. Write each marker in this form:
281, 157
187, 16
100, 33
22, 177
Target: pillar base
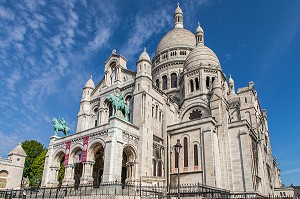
68, 182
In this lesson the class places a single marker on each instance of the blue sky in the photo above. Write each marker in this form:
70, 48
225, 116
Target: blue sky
49, 49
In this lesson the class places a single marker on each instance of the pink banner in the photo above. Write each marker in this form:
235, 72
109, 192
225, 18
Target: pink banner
67, 154
85, 149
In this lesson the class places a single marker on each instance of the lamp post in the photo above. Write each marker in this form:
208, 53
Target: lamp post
177, 148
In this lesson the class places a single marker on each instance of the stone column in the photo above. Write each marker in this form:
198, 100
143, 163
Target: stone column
87, 178
53, 182
69, 175
113, 152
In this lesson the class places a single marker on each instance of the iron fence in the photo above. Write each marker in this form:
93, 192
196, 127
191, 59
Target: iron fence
136, 190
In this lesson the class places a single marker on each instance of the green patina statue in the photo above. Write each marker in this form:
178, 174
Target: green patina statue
118, 103
60, 126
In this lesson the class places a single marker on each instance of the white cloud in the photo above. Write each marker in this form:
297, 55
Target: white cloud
12, 80
6, 13
145, 26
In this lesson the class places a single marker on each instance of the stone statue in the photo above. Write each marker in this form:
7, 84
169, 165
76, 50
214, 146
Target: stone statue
118, 103
60, 126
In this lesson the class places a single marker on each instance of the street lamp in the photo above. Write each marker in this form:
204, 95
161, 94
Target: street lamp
177, 148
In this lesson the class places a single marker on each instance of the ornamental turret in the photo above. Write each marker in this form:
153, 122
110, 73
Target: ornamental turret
144, 65
199, 35
87, 89
83, 115
178, 17
231, 87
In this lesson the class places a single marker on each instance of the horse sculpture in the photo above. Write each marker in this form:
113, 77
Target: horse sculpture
60, 126
119, 104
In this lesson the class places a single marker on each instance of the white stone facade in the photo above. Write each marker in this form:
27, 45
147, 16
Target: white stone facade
11, 168
181, 94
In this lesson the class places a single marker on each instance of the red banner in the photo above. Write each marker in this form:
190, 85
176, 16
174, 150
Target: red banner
85, 149
67, 153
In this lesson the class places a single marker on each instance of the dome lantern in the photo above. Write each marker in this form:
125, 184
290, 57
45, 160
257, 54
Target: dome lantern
178, 17
144, 56
199, 35
90, 83
231, 86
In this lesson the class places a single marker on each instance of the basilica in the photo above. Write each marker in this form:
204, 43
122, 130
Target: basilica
129, 123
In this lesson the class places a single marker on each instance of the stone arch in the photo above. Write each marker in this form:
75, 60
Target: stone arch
75, 159
129, 157
129, 102
108, 108
59, 164
58, 156
78, 147
96, 154
94, 147
3, 178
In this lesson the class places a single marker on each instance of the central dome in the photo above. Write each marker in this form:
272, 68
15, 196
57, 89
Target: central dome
178, 37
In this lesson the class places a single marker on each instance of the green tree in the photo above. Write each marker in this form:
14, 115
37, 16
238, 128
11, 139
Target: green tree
37, 169
33, 150
61, 173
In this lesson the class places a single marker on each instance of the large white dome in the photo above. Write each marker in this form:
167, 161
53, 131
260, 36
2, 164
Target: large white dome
201, 55
178, 37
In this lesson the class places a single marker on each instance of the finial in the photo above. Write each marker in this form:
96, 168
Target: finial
91, 77
198, 24
114, 51
229, 76
178, 4
144, 49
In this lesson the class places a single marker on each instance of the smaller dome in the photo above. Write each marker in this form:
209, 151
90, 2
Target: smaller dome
199, 29
144, 56
230, 81
90, 84
178, 10
201, 55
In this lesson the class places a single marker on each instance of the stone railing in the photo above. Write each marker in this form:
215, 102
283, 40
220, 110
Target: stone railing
5, 160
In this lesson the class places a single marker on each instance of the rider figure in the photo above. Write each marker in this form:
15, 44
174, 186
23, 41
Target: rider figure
62, 121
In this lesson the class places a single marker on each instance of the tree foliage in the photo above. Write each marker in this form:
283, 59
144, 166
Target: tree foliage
61, 173
34, 162
37, 169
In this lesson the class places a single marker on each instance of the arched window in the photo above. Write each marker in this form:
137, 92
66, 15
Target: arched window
113, 71
160, 115
207, 82
3, 178
110, 110
159, 169
156, 111
197, 83
154, 167
153, 111
96, 116
245, 99
185, 152
157, 83
164, 82
196, 162
192, 85
173, 80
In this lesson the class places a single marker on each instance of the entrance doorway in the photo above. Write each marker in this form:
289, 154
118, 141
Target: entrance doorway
124, 168
128, 164
78, 166
77, 173
99, 164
